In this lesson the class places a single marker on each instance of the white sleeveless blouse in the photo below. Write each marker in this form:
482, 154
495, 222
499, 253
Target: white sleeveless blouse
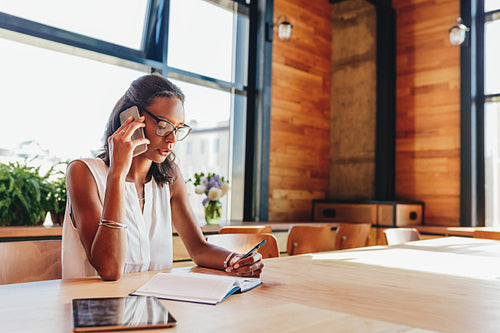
149, 233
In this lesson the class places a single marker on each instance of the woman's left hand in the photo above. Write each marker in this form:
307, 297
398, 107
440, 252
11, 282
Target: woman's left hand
248, 267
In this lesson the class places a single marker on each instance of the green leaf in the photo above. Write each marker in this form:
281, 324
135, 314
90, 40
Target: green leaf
26, 195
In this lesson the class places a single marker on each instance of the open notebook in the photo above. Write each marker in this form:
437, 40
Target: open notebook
195, 287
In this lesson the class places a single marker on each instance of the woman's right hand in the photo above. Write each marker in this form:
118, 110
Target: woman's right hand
121, 147
249, 267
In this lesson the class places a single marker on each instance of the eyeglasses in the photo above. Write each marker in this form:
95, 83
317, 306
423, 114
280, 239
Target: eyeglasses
165, 128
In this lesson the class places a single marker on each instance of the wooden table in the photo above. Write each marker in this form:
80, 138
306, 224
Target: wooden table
446, 284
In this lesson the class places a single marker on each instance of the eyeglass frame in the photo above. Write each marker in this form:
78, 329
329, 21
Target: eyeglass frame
167, 121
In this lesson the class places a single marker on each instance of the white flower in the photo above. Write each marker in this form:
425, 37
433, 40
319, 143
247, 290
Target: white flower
203, 180
214, 194
200, 189
224, 187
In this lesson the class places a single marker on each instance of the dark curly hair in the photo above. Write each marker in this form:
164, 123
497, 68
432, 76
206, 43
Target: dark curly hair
141, 93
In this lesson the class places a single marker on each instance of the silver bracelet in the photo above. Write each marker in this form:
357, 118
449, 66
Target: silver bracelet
112, 224
227, 259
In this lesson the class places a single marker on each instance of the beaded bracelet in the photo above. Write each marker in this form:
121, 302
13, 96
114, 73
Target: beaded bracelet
112, 224
227, 259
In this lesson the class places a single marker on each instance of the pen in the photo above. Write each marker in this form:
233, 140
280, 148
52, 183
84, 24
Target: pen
255, 248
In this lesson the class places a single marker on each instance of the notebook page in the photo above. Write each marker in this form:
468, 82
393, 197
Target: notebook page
188, 286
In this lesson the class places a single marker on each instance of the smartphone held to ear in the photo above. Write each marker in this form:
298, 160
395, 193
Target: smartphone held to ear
139, 133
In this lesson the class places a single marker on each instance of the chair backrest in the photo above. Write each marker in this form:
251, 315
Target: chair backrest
242, 243
352, 235
401, 235
28, 261
309, 239
487, 234
250, 229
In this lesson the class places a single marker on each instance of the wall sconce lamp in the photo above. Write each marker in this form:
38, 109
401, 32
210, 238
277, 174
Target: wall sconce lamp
284, 29
457, 32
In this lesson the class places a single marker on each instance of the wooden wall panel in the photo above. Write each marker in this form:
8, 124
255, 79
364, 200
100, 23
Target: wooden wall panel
428, 108
300, 110
427, 102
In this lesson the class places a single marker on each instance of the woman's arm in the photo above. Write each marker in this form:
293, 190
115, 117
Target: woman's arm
203, 253
105, 247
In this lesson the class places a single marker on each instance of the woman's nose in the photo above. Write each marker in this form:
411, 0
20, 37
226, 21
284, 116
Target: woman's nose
171, 137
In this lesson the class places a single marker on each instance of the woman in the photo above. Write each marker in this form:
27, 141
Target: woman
121, 207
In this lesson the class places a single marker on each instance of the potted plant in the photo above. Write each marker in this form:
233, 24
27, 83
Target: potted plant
58, 198
24, 194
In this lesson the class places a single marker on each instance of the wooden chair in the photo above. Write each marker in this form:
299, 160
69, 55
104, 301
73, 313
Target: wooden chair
28, 261
401, 235
486, 234
250, 229
242, 243
352, 235
308, 239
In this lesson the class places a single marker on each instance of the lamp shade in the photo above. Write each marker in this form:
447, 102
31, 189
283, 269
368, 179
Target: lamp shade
457, 32
285, 30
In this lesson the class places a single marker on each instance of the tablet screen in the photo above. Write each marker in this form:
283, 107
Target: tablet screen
118, 313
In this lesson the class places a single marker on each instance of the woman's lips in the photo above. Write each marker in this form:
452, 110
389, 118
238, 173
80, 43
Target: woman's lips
164, 152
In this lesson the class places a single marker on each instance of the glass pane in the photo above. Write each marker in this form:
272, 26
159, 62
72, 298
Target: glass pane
115, 21
490, 5
201, 38
238, 121
491, 57
492, 163
206, 149
55, 105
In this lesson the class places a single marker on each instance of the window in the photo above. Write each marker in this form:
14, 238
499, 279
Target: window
491, 112
209, 30
217, 145
45, 109
93, 18
65, 66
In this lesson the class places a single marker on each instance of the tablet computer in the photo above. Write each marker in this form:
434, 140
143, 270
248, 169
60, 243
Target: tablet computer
119, 313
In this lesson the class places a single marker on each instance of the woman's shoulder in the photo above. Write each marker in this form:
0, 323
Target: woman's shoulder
91, 162
177, 173
88, 161
85, 165
177, 177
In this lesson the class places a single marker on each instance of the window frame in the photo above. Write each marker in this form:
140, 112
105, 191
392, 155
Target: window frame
472, 101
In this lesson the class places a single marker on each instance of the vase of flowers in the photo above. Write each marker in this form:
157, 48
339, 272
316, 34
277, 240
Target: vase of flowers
214, 187
213, 212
